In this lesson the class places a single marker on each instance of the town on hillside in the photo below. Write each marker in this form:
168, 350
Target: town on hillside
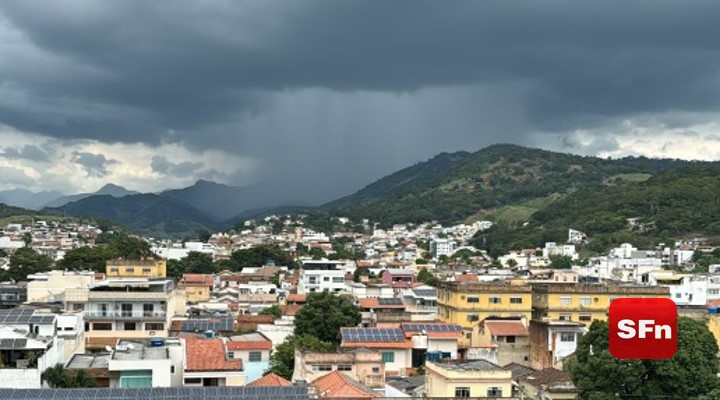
411, 311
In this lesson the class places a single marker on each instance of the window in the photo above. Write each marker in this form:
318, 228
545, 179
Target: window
462, 392
566, 300
338, 279
78, 306
585, 318
495, 300
565, 317
254, 356
678, 295
129, 326
510, 339
388, 356
567, 337
129, 270
154, 326
516, 300
126, 309
494, 391
146, 270
473, 317
326, 279
102, 326
322, 367
148, 309
585, 301
193, 381
344, 367
376, 370
713, 291
231, 354
172, 369
473, 299
114, 270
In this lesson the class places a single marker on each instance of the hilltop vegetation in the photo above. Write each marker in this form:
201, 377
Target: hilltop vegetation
668, 205
500, 181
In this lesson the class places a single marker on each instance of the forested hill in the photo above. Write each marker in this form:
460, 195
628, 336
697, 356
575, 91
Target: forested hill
500, 182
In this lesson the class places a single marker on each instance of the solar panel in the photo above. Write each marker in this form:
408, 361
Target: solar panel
225, 324
13, 344
372, 335
425, 292
431, 327
389, 301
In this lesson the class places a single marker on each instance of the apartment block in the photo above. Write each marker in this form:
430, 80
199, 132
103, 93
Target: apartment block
321, 276
145, 268
462, 378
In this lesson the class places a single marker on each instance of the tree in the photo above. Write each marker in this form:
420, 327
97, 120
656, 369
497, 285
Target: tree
275, 280
317, 253
273, 310
132, 248
259, 256
691, 372
561, 262
56, 377
87, 258
198, 263
204, 235
511, 263
427, 277
3, 253
25, 261
282, 360
359, 272
175, 268
324, 314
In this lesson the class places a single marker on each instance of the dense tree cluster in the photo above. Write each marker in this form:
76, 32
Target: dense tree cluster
58, 377
690, 373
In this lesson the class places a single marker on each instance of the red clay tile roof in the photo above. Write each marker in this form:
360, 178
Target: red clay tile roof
270, 380
208, 355
337, 384
197, 279
255, 319
296, 298
291, 309
249, 345
373, 303
507, 328
713, 303
466, 278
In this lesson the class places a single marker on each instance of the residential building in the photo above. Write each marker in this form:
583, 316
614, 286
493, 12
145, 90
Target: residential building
321, 276
584, 302
361, 364
254, 350
12, 294
442, 247
207, 363
95, 366
549, 384
52, 286
198, 287
381, 310
131, 309
552, 341
467, 303
510, 336
28, 345
71, 329
462, 378
145, 268
432, 341
148, 363
270, 380
339, 385
420, 302
398, 279
205, 393
392, 344
685, 289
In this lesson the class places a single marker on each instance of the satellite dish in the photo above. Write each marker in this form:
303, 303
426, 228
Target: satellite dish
130, 346
108, 348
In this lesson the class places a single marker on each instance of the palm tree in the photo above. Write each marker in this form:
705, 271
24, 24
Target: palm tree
56, 377
82, 380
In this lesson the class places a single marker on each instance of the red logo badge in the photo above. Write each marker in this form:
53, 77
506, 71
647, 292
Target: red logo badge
643, 328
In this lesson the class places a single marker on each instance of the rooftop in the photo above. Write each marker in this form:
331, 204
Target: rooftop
170, 393
465, 365
506, 328
139, 350
209, 355
270, 380
336, 384
84, 361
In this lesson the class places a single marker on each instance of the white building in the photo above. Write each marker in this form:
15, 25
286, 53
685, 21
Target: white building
321, 276
685, 289
566, 250
28, 345
143, 365
442, 247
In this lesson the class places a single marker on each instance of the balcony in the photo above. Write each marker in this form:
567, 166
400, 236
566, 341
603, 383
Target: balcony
122, 315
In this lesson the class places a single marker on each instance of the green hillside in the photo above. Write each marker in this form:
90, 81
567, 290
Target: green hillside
500, 182
668, 205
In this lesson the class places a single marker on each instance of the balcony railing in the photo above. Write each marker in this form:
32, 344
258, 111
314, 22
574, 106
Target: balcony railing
98, 314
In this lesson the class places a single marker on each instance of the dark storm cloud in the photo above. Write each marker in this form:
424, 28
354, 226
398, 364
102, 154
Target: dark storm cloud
389, 82
95, 165
27, 152
164, 166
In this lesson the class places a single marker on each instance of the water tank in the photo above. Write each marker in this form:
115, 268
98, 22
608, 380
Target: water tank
157, 342
713, 310
209, 334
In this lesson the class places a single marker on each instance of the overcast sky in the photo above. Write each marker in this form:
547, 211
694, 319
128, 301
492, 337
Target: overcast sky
327, 96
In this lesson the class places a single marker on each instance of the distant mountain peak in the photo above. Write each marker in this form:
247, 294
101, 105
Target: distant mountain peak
114, 190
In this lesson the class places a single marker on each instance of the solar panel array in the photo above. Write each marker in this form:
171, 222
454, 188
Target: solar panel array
425, 292
13, 344
389, 301
225, 324
176, 393
432, 327
372, 335
24, 316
